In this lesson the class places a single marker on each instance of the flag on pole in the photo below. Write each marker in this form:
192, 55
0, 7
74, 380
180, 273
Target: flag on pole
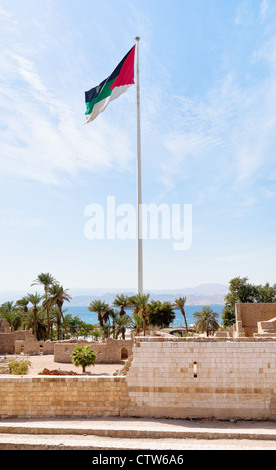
110, 89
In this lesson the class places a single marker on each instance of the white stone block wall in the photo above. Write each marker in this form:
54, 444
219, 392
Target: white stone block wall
203, 379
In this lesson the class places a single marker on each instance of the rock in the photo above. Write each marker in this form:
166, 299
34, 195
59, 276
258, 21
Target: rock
57, 372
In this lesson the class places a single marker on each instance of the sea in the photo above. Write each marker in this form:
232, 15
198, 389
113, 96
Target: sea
92, 318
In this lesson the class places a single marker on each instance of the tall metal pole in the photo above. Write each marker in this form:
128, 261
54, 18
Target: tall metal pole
139, 180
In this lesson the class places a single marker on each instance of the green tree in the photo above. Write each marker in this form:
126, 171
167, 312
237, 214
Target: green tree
41, 322
12, 314
122, 323
102, 309
206, 321
77, 327
143, 300
86, 329
96, 334
241, 291
180, 304
84, 357
160, 313
6, 308
137, 322
35, 300
265, 294
139, 304
46, 280
23, 304
122, 302
57, 295
114, 316
105, 330
134, 304
38, 321
56, 323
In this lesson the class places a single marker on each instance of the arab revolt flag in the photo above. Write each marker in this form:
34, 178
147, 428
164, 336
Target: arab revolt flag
110, 89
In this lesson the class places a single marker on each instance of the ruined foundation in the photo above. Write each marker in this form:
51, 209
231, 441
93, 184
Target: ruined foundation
168, 378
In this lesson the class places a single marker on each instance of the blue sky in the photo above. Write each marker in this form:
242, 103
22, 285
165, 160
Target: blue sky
208, 87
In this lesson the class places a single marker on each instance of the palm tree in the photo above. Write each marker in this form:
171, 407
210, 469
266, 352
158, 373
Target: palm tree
102, 309
35, 299
46, 280
206, 320
96, 335
122, 323
83, 357
137, 322
114, 316
122, 301
55, 317
180, 303
139, 303
23, 304
134, 304
29, 320
57, 295
7, 309
12, 314
105, 331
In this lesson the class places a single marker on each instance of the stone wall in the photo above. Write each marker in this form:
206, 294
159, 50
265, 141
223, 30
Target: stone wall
267, 327
4, 326
18, 342
33, 347
108, 352
168, 378
21, 341
7, 341
248, 316
62, 396
204, 378
7, 337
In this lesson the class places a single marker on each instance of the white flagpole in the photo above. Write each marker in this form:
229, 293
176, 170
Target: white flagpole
139, 180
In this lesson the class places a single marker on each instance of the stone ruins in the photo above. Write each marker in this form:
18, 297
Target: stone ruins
222, 377
23, 342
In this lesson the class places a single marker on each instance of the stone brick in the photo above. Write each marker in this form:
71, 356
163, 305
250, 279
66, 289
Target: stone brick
233, 378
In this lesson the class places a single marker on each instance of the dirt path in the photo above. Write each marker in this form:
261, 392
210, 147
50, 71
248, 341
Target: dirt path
38, 363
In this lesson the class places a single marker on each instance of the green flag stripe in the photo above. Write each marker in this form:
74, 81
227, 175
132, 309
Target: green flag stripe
105, 93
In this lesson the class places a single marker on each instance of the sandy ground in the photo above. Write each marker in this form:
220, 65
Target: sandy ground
114, 433
38, 363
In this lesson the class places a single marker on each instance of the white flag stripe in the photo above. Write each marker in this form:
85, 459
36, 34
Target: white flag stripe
101, 105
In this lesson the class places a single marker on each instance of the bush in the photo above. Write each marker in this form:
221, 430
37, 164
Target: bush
83, 357
160, 314
19, 366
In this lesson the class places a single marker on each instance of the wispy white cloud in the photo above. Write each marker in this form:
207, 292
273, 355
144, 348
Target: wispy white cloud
42, 134
244, 14
5, 13
264, 9
53, 150
26, 69
23, 222
229, 134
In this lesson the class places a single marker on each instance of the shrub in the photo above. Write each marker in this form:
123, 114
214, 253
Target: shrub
83, 357
160, 314
19, 366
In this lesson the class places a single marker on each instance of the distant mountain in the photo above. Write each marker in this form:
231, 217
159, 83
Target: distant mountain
85, 300
204, 294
